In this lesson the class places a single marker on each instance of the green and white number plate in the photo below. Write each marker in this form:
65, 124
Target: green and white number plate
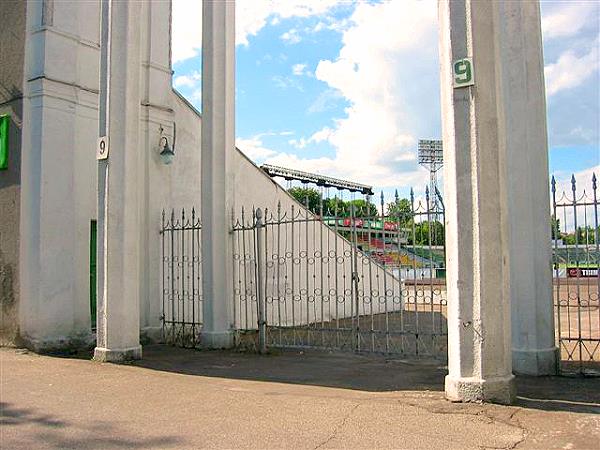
462, 73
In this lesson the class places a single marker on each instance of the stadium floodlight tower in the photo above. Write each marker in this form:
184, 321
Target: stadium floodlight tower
431, 157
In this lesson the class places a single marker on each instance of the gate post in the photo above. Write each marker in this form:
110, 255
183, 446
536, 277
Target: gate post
260, 282
218, 146
533, 341
118, 283
475, 178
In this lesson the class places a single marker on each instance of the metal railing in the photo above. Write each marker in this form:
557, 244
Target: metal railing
361, 281
576, 262
181, 279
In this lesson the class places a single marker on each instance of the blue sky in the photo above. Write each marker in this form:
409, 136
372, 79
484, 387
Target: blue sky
347, 88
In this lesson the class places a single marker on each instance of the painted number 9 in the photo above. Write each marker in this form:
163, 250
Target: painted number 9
463, 72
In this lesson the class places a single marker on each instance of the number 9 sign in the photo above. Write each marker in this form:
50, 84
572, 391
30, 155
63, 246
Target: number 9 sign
463, 73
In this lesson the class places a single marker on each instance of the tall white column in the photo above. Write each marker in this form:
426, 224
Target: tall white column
218, 145
475, 183
534, 349
118, 329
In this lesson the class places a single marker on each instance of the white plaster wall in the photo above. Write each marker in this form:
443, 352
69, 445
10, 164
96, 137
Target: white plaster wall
59, 169
58, 172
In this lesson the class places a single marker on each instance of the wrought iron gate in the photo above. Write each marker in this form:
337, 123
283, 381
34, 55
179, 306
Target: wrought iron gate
348, 280
576, 260
181, 279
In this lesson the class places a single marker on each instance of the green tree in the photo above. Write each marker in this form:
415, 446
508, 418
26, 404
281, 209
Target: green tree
423, 236
309, 197
361, 208
400, 210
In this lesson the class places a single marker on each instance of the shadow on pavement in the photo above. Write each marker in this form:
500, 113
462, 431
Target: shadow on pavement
362, 372
338, 370
571, 394
57, 433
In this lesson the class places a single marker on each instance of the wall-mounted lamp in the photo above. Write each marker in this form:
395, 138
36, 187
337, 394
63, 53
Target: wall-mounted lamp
167, 153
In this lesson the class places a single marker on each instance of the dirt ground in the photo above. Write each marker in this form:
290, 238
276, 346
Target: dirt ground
176, 398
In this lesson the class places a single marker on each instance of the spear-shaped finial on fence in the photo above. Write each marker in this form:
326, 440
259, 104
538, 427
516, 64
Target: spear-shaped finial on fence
382, 205
573, 184
396, 196
594, 182
553, 184
427, 194
412, 195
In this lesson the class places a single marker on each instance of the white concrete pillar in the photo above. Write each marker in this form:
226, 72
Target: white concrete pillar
118, 329
218, 146
534, 349
477, 231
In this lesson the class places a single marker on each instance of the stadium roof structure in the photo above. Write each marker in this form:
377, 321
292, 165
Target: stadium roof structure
319, 180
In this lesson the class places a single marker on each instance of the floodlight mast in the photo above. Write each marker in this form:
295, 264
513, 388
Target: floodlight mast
431, 157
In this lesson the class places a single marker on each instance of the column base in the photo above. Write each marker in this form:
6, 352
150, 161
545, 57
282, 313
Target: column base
494, 390
216, 340
117, 355
535, 362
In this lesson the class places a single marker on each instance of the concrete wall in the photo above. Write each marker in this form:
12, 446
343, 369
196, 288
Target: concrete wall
12, 37
61, 67
58, 171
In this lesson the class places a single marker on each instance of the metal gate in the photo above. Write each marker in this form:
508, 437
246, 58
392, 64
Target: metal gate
576, 261
344, 277
181, 279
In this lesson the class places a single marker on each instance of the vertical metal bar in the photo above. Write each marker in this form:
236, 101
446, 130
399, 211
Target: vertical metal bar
596, 239
293, 289
306, 227
430, 236
260, 277
322, 270
183, 278
164, 262
399, 265
335, 265
414, 258
243, 262
556, 280
173, 260
577, 286
354, 288
279, 259
193, 291
385, 293
372, 218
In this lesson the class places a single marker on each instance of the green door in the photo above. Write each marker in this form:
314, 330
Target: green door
93, 273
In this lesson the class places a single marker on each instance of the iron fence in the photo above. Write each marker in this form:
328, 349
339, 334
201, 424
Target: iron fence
181, 279
360, 281
576, 262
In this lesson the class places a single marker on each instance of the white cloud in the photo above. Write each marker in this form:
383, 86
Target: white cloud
286, 82
568, 18
392, 89
191, 81
251, 17
299, 69
254, 148
319, 136
570, 70
291, 36
186, 29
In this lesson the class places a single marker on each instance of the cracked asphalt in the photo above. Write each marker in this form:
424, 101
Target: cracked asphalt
184, 399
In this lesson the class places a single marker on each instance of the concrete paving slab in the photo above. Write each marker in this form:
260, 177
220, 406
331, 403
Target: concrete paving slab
177, 398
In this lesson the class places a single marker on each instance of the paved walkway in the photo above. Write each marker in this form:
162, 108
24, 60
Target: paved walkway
187, 399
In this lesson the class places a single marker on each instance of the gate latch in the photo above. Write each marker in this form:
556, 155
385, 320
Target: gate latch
355, 277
